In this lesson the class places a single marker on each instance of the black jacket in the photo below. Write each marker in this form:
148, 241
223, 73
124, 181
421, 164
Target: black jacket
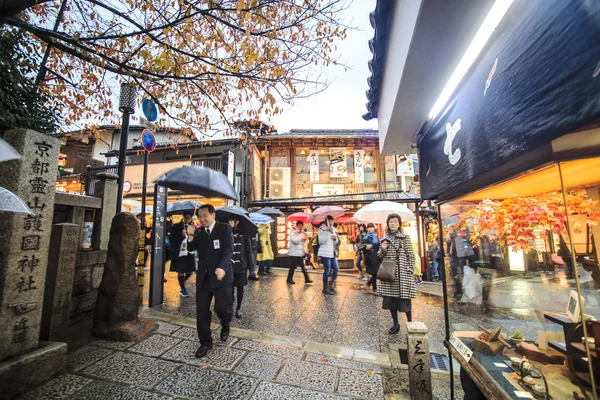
370, 255
242, 252
214, 252
176, 238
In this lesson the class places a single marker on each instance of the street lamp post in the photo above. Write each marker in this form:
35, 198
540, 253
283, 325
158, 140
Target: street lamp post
127, 107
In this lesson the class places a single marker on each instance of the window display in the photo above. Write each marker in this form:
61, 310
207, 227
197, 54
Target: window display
522, 274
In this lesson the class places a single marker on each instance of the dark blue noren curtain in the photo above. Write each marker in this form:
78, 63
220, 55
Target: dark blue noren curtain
537, 80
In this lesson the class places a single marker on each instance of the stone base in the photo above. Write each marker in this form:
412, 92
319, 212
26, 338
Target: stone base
31, 369
130, 331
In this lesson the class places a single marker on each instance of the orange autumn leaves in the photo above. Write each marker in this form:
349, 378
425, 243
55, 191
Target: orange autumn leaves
203, 63
517, 221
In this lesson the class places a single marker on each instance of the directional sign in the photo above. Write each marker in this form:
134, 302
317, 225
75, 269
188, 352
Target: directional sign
148, 140
150, 110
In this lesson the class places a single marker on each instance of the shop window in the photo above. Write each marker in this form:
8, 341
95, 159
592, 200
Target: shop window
522, 257
302, 168
279, 158
390, 173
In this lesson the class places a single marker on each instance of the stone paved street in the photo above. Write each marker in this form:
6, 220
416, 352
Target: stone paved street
352, 318
248, 366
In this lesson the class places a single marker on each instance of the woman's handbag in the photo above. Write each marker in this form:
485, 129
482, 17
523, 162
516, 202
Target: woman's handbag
387, 271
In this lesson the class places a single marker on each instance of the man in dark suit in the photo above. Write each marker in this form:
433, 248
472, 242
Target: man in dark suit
214, 243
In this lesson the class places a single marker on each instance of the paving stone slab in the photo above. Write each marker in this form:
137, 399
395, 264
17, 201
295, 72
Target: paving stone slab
155, 345
166, 328
219, 357
85, 357
308, 375
186, 333
275, 391
260, 366
216, 336
343, 363
285, 352
110, 391
206, 384
361, 384
112, 345
59, 388
133, 369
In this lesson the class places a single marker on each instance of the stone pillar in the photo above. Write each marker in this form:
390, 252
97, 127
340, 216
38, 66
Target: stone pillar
106, 189
419, 366
59, 281
25, 240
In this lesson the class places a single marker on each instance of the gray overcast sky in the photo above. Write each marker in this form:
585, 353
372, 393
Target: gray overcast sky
343, 103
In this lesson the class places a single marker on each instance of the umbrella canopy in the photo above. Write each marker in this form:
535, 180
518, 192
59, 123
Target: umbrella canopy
198, 180
138, 210
261, 218
11, 203
299, 216
269, 211
321, 213
246, 224
7, 152
378, 211
182, 206
129, 203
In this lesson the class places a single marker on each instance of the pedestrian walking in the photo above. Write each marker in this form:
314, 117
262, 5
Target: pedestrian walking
371, 247
297, 252
214, 244
436, 254
328, 241
396, 247
182, 259
241, 261
265, 257
358, 248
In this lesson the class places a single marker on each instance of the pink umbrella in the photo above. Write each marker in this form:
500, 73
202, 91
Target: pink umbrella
321, 213
299, 216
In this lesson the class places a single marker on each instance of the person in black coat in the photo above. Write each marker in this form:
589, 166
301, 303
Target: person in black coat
184, 265
214, 278
241, 261
370, 244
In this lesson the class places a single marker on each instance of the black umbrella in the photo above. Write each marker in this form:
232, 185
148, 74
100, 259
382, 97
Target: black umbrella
198, 180
182, 206
269, 211
246, 224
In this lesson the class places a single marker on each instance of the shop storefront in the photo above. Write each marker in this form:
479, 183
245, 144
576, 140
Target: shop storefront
513, 164
306, 169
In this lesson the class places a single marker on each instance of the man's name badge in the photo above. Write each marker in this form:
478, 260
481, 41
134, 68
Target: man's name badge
216, 244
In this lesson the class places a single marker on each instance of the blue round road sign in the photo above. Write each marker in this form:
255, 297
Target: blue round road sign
148, 140
149, 109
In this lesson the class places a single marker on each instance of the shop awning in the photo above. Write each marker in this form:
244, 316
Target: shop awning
538, 79
399, 196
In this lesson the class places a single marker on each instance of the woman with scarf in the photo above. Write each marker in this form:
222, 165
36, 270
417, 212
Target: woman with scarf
182, 261
396, 247
240, 262
370, 244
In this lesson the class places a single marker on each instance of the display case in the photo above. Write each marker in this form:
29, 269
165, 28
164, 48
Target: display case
521, 259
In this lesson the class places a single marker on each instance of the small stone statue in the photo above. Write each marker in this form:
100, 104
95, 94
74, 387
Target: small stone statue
116, 312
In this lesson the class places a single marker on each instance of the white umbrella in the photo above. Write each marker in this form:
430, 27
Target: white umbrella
378, 211
7, 152
11, 203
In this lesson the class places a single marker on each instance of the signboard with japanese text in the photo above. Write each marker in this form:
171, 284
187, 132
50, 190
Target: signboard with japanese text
313, 159
327, 189
159, 232
404, 166
337, 162
359, 166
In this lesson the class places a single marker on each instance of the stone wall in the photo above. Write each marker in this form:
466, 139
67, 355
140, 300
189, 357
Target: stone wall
89, 268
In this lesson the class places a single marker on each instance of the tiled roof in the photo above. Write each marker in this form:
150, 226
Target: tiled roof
326, 132
380, 19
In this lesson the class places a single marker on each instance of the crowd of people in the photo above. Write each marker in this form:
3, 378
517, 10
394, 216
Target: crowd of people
226, 256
